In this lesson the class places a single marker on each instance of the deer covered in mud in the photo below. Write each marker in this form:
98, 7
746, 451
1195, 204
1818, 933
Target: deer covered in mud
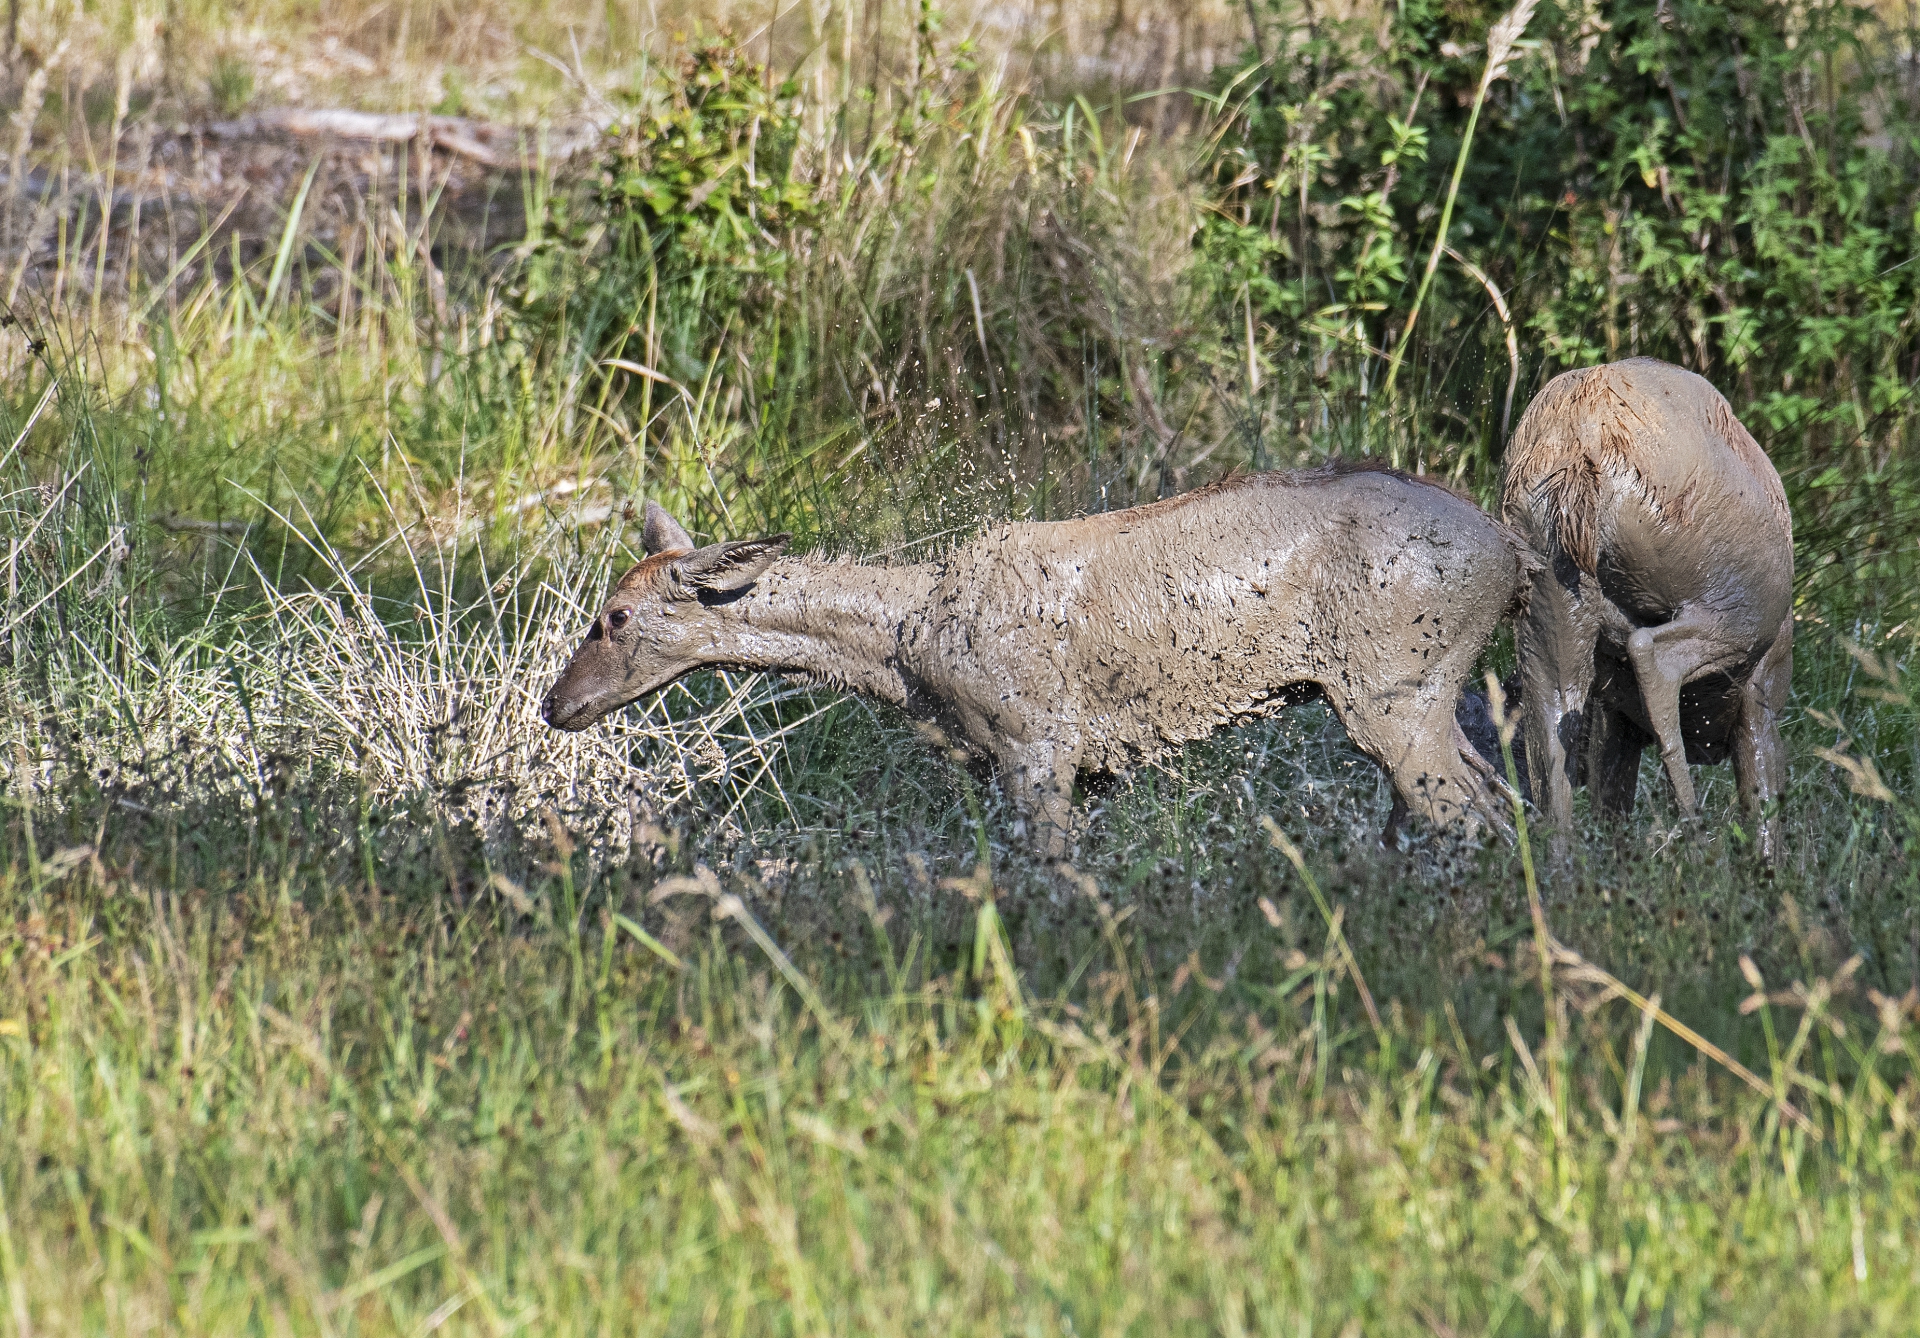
1103, 642
1663, 613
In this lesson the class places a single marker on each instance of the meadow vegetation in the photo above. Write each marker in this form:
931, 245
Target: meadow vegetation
337, 995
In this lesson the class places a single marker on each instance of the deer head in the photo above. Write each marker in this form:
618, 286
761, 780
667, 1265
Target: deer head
668, 616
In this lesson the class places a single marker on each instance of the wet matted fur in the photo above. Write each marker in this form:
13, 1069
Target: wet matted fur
1664, 613
1106, 641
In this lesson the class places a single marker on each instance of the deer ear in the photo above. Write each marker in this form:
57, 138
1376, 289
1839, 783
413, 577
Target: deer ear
662, 533
724, 568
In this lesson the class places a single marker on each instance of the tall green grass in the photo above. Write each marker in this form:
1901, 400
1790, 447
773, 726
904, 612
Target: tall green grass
296, 1098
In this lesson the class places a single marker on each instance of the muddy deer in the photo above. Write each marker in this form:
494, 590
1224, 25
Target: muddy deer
1104, 642
1663, 613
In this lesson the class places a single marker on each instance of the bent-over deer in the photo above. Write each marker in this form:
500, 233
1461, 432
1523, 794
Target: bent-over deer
1664, 612
1103, 642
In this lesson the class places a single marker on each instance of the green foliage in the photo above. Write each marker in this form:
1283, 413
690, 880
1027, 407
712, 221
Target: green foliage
916, 301
695, 205
230, 85
711, 173
1732, 187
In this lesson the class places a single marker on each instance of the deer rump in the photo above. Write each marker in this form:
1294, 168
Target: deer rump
1662, 615
1104, 642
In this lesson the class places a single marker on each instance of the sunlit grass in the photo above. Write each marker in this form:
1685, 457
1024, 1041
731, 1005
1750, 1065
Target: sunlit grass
323, 1104
521, 62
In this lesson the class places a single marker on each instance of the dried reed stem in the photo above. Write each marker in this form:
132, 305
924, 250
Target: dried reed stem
1500, 45
1506, 322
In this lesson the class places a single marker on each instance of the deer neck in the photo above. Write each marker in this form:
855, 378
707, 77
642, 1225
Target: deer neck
834, 622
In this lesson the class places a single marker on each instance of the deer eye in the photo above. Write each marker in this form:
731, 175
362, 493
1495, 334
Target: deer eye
618, 619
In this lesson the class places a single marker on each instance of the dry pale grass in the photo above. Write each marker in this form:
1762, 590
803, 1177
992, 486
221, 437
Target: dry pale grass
331, 688
519, 61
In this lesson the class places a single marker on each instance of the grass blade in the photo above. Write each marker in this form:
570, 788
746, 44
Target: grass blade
284, 255
649, 942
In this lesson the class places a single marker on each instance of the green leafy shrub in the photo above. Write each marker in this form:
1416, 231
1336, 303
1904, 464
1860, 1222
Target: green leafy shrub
1732, 187
710, 173
694, 208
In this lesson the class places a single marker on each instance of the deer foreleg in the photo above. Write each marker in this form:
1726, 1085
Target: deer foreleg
1039, 777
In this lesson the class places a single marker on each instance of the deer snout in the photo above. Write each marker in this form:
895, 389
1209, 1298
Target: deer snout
590, 686
569, 703
573, 704
562, 711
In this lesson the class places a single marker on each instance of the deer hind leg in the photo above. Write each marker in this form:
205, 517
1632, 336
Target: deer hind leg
1396, 819
1556, 642
1424, 753
1431, 777
1665, 659
1614, 742
1444, 784
1759, 759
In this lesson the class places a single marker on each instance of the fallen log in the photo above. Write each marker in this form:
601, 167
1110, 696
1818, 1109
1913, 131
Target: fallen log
495, 146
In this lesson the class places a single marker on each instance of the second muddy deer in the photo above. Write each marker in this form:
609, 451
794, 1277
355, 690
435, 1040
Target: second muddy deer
1663, 614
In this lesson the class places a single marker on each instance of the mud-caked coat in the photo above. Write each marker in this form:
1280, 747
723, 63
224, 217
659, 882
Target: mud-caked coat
1663, 612
1102, 643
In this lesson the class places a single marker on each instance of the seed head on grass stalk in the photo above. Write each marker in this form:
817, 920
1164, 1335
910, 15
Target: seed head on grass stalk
1501, 41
